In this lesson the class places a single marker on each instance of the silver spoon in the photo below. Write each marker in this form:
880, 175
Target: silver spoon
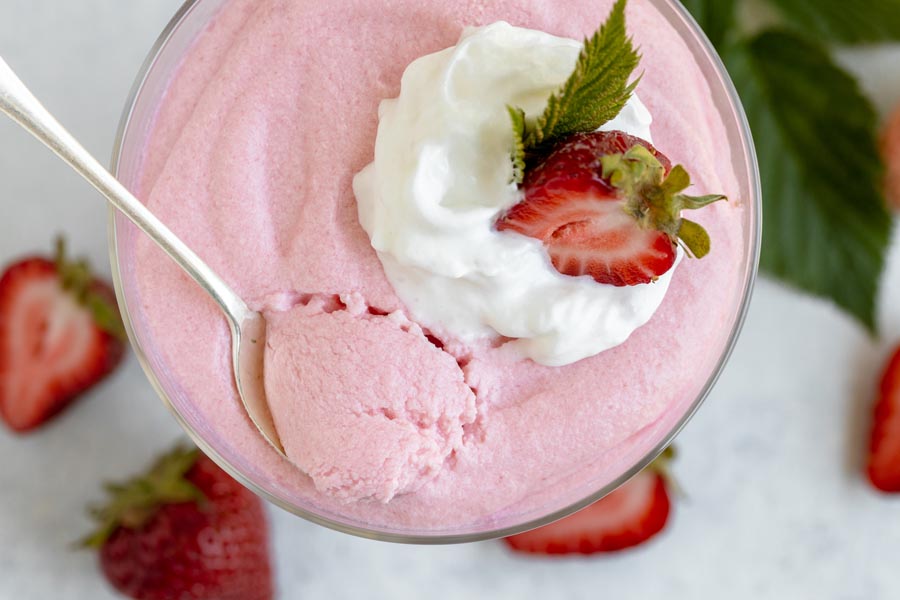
248, 327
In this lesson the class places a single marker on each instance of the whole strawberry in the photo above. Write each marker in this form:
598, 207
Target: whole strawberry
184, 531
60, 334
627, 517
608, 205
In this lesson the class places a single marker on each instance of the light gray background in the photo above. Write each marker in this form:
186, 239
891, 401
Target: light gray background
776, 507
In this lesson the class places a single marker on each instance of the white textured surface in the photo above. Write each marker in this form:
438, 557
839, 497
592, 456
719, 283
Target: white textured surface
775, 509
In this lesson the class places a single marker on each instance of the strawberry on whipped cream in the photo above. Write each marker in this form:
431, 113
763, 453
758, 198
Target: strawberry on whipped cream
440, 180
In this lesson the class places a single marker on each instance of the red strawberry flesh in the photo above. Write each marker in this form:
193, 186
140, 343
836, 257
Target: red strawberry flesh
884, 451
51, 351
627, 517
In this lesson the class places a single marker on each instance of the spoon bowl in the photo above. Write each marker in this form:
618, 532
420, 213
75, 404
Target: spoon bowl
248, 344
248, 327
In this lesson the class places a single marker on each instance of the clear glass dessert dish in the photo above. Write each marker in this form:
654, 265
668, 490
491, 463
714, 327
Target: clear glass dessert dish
572, 491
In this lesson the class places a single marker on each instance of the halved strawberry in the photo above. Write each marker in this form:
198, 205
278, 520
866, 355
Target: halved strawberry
608, 205
884, 450
627, 517
60, 334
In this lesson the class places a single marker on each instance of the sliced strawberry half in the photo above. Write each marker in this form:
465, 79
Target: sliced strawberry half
884, 449
627, 517
608, 205
60, 334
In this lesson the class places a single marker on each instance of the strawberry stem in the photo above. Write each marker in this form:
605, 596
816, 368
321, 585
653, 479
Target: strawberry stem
133, 503
655, 198
663, 466
78, 280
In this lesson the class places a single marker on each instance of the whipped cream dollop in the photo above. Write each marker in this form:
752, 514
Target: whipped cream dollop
441, 178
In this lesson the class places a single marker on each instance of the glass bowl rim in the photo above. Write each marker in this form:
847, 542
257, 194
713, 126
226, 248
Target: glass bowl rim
440, 538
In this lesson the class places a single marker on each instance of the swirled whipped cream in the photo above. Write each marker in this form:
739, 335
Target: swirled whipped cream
441, 178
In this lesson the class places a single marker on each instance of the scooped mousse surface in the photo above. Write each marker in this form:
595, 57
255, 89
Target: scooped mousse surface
390, 423
374, 423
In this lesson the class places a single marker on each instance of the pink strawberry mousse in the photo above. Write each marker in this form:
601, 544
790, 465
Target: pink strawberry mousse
251, 158
362, 419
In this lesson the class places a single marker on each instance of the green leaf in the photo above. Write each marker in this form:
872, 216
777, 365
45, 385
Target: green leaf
106, 315
694, 239
597, 90
843, 21
698, 202
826, 227
716, 17
78, 280
132, 503
678, 180
517, 115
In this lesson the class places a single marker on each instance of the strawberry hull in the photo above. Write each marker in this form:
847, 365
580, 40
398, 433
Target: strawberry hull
250, 160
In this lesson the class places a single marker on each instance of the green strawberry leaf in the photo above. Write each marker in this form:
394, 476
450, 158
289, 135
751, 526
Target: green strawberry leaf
826, 226
78, 280
132, 503
716, 17
655, 199
517, 115
843, 21
694, 239
597, 90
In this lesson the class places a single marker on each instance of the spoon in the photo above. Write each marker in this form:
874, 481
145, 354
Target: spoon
248, 327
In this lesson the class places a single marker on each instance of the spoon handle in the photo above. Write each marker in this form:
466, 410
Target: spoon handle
21, 106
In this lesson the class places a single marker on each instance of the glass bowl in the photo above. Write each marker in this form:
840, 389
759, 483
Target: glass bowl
137, 120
